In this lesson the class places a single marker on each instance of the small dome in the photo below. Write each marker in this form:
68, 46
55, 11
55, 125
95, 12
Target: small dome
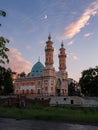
37, 69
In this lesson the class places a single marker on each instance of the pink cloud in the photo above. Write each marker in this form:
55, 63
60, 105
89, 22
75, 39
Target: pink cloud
72, 56
76, 26
75, 58
17, 62
70, 43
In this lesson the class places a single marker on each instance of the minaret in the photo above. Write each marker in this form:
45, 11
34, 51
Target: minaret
49, 70
49, 52
62, 58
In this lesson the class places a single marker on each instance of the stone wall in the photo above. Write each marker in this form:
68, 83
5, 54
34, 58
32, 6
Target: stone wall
74, 100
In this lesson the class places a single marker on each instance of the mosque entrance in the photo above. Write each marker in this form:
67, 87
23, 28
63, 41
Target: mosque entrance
58, 93
58, 87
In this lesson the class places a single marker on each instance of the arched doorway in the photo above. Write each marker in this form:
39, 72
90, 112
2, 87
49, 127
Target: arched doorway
58, 87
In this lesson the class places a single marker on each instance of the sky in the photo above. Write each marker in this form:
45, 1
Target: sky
28, 24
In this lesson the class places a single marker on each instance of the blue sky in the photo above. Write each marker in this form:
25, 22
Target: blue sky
28, 24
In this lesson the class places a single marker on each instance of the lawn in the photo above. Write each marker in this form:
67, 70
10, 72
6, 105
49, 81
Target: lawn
75, 114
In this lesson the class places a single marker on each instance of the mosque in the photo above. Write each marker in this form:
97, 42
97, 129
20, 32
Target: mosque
45, 80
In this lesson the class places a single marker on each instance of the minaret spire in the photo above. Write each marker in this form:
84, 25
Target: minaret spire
62, 45
49, 37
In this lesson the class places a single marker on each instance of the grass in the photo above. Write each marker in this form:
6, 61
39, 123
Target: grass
89, 115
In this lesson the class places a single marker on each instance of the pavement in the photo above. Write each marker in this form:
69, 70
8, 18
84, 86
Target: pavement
13, 124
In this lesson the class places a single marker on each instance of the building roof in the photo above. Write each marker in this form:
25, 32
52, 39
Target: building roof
37, 69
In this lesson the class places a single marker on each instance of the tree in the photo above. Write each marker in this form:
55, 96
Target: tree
22, 74
2, 13
6, 80
6, 83
89, 82
3, 48
71, 89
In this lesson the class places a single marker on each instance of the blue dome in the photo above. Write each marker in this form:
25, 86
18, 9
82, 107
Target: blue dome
37, 69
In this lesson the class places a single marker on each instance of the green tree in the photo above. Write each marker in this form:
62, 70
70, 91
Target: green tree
6, 80
2, 13
22, 74
71, 89
89, 82
6, 83
3, 48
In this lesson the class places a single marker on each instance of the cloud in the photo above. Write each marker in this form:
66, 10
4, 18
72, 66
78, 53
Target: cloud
72, 56
44, 17
88, 35
17, 62
42, 42
75, 58
76, 26
70, 43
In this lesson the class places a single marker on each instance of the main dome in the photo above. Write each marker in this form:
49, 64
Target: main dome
37, 69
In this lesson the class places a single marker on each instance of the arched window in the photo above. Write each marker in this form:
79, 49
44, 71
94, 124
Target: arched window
58, 84
22, 91
16, 91
38, 91
31, 91
38, 83
27, 91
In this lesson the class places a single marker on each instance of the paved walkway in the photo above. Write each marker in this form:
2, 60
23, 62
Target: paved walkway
12, 124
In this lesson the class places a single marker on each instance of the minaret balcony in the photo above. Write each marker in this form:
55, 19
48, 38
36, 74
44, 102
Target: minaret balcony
49, 49
61, 55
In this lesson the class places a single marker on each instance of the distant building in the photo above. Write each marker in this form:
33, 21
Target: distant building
45, 80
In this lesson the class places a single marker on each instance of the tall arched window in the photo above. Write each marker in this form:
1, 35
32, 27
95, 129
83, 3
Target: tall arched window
27, 91
58, 84
22, 91
31, 91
